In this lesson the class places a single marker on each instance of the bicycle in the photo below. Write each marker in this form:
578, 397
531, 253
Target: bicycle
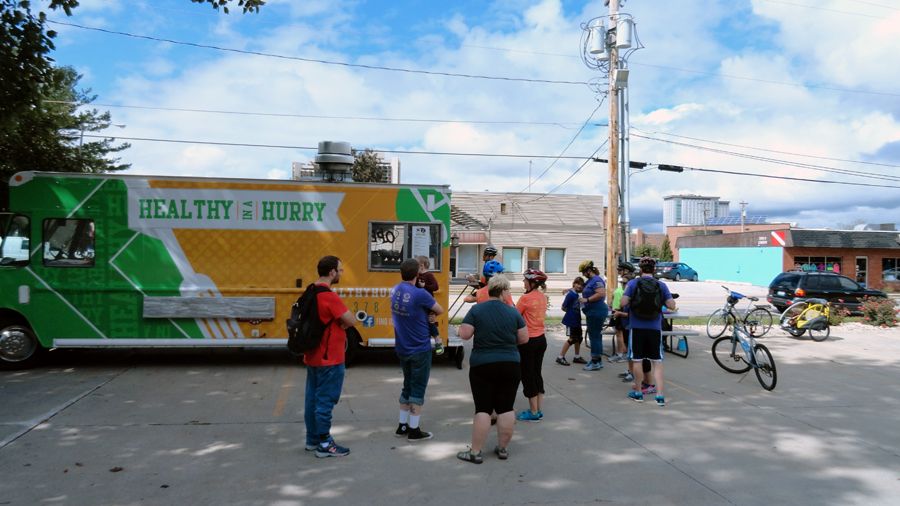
749, 355
808, 315
757, 320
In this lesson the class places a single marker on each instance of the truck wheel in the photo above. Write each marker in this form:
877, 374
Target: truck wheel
19, 347
459, 356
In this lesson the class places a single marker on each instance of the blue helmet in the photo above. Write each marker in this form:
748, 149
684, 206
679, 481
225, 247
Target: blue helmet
492, 267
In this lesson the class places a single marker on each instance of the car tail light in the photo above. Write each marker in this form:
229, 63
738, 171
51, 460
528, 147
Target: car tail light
800, 292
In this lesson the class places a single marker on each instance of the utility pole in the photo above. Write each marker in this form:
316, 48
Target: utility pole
743, 206
612, 228
705, 219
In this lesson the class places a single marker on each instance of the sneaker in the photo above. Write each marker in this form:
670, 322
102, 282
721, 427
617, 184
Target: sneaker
562, 361
332, 450
618, 357
311, 448
402, 430
470, 456
579, 360
418, 434
623, 374
593, 366
660, 401
502, 453
628, 378
528, 416
438, 348
636, 396
648, 389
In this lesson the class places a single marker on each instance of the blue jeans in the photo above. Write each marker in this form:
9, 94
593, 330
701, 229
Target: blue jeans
323, 390
416, 370
595, 333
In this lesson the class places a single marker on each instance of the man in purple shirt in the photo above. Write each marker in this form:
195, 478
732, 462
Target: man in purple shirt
645, 335
410, 306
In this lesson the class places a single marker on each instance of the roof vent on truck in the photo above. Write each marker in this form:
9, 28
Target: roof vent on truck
335, 160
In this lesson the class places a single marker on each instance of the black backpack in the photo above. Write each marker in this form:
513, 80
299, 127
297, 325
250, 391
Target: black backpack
647, 301
305, 329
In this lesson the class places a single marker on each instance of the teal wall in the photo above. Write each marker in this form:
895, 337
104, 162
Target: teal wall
757, 266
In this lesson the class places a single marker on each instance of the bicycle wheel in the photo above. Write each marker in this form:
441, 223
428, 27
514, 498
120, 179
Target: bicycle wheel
765, 367
729, 356
792, 312
820, 335
758, 321
718, 323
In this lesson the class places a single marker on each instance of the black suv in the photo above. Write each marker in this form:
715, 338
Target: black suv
788, 287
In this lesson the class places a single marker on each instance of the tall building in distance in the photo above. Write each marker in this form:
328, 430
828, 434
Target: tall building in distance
390, 170
692, 209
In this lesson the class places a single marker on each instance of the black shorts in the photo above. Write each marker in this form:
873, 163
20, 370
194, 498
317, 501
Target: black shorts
575, 334
494, 386
645, 343
617, 323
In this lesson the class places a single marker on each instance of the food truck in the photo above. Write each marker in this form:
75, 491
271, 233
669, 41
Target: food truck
130, 261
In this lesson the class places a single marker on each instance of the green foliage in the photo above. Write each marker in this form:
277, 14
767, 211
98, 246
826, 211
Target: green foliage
247, 5
48, 136
838, 315
647, 250
665, 253
880, 312
365, 167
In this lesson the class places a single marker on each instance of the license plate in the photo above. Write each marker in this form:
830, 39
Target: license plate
780, 293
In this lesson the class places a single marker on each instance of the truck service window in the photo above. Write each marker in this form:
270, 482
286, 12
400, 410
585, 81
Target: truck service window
15, 241
391, 243
68, 243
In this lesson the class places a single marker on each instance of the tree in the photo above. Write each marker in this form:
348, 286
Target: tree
647, 250
665, 253
49, 136
29, 79
365, 167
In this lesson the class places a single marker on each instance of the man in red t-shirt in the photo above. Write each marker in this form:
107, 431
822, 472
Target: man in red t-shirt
325, 364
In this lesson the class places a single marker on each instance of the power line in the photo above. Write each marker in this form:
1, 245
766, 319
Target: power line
314, 148
769, 150
317, 60
574, 137
316, 116
591, 158
877, 5
788, 178
775, 160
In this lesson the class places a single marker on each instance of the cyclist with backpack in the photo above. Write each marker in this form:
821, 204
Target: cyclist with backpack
644, 299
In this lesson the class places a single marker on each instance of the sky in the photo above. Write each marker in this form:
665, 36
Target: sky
802, 89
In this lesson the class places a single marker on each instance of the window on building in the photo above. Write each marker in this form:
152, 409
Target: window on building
818, 264
890, 269
534, 258
15, 239
554, 260
68, 243
467, 259
512, 260
392, 243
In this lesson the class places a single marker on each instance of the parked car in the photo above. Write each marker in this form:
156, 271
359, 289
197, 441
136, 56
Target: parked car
675, 271
789, 287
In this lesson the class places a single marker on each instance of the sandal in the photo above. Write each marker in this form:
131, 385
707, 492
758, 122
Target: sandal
502, 453
470, 456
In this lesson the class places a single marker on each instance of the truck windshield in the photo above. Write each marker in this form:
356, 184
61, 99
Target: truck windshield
15, 240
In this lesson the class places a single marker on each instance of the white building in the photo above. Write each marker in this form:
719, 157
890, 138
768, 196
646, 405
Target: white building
692, 209
553, 233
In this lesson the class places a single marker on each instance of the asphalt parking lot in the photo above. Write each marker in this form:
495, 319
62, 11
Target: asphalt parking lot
226, 427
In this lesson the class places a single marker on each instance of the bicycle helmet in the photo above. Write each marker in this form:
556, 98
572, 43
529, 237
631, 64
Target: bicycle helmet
490, 250
586, 265
625, 266
535, 275
492, 267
